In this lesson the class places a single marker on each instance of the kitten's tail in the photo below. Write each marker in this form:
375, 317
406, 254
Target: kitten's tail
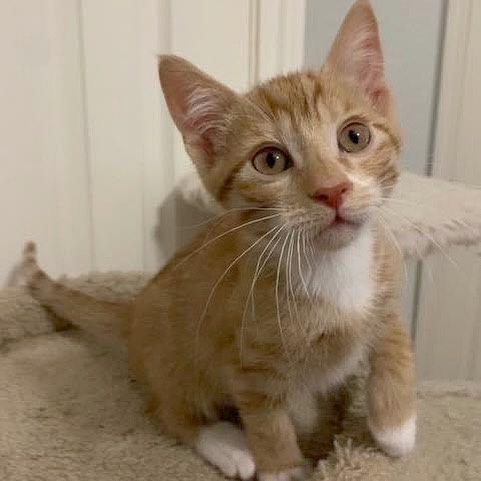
101, 318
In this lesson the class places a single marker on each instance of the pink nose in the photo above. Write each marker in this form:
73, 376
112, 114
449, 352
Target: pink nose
333, 196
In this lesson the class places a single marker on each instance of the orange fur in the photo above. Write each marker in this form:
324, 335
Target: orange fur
274, 304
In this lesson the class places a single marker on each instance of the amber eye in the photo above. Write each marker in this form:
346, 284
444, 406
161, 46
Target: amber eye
271, 161
354, 137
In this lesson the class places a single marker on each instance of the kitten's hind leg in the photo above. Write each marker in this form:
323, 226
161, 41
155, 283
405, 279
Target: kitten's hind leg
391, 391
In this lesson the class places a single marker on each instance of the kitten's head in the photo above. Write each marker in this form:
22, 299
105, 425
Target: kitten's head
319, 148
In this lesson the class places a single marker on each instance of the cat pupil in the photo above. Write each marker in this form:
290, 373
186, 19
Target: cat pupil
354, 136
271, 159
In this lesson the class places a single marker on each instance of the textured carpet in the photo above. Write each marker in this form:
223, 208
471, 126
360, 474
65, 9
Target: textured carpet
68, 411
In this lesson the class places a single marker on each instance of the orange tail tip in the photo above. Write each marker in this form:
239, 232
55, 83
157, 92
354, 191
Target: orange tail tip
29, 266
30, 250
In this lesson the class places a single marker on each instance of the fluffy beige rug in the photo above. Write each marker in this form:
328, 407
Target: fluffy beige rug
69, 411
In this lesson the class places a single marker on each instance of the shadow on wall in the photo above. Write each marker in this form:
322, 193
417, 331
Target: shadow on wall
187, 221
178, 222
14, 277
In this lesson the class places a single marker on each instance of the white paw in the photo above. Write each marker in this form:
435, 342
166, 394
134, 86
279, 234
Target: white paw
225, 446
396, 442
293, 474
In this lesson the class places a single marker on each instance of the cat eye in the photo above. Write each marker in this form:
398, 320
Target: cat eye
354, 137
271, 161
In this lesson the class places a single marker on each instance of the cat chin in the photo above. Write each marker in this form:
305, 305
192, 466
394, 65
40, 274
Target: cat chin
336, 236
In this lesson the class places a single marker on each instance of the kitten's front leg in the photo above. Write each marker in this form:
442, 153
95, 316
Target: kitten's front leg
272, 438
391, 391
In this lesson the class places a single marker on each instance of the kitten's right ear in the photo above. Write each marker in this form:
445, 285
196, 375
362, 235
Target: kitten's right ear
198, 104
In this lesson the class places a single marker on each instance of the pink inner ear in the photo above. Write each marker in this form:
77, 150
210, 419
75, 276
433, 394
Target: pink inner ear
199, 105
370, 64
357, 52
202, 117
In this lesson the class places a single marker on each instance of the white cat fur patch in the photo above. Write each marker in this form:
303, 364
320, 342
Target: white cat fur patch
225, 446
397, 442
302, 406
292, 474
344, 276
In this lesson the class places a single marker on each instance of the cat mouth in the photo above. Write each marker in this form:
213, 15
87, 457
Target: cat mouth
341, 220
338, 224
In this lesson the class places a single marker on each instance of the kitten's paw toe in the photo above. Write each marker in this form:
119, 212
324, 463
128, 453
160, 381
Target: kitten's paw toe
396, 442
225, 446
293, 474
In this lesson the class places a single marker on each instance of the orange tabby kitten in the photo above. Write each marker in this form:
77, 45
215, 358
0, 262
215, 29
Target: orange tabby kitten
283, 296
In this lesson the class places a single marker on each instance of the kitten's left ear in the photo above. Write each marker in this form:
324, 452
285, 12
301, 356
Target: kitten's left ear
357, 54
199, 106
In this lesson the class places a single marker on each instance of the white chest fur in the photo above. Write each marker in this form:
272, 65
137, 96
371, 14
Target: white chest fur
344, 277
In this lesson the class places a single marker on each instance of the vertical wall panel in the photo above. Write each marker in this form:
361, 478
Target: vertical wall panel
280, 48
43, 181
448, 340
111, 41
67, 139
158, 164
215, 36
449, 314
135, 154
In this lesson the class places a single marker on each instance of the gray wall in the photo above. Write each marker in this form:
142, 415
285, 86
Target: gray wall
411, 31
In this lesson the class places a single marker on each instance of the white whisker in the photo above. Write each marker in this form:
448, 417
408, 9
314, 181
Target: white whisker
289, 278
256, 276
221, 278
287, 275
234, 229
277, 293
429, 237
228, 212
299, 264
396, 245
304, 249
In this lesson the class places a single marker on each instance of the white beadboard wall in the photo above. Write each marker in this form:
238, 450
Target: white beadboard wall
44, 172
448, 335
88, 154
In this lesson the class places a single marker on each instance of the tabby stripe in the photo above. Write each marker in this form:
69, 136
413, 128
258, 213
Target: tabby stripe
228, 181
